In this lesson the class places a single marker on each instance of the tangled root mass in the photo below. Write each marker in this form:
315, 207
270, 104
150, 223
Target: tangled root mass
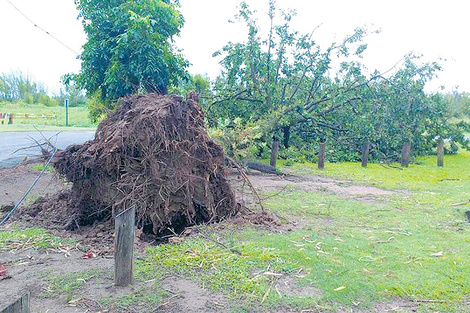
152, 152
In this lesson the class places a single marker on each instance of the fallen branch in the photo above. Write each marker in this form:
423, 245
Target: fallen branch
242, 172
461, 203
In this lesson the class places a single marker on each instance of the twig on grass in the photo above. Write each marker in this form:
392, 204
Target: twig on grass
461, 203
429, 301
165, 303
276, 194
218, 242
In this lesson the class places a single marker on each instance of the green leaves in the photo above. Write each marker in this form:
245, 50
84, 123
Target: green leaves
129, 47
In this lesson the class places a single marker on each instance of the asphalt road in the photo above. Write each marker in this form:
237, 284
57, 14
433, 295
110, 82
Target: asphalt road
20, 141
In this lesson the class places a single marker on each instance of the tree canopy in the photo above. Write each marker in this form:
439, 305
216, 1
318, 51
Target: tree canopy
283, 85
129, 48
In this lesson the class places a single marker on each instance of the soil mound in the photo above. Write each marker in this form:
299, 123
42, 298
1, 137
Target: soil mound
152, 152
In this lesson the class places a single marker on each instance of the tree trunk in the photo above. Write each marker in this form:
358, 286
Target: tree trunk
274, 151
321, 156
265, 168
440, 153
365, 152
405, 154
286, 130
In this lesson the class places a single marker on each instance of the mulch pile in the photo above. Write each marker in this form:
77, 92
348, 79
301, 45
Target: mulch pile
153, 152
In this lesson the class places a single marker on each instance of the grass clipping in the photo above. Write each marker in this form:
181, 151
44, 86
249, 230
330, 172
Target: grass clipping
152, 152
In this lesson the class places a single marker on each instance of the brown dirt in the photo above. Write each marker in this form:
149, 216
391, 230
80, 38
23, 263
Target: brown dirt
317, 183
29, 270
188, 296
289, 286
15, 181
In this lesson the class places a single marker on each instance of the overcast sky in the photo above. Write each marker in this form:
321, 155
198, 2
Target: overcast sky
433, 28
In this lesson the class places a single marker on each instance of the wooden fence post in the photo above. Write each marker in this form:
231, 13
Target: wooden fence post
321, 156
440, 153
365, 152
124, 247
19, 306
405, 154
274, 151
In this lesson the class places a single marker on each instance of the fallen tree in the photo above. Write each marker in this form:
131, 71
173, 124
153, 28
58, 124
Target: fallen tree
152, 152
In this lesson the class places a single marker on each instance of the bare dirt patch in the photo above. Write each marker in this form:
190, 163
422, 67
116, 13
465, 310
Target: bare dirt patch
30, 269
289, 286
189, 296
16, 180
317, 183
393, 305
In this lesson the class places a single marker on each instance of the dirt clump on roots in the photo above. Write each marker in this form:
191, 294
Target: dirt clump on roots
154, 153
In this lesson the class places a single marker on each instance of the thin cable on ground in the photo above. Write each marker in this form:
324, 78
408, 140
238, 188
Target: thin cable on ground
42, 29
7, 217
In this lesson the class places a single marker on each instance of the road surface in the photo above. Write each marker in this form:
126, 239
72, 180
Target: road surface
18, 141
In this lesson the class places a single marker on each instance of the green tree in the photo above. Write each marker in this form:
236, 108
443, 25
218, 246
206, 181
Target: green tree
16, 85
283, 82
71, 91
129, 48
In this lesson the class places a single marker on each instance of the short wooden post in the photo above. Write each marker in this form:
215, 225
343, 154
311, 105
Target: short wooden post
124, 247
19, 306
321, 156
274, 151
405, 154
440, 153
365, 153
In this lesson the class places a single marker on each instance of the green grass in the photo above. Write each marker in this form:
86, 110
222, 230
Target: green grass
16, 238
69, 284
40, 167
142, 299
411, 245
424, 174
46, 118
379, 250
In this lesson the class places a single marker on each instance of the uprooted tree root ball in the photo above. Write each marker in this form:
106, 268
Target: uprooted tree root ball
152, 152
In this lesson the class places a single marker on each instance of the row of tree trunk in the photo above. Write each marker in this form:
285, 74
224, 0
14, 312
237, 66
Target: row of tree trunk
405, 153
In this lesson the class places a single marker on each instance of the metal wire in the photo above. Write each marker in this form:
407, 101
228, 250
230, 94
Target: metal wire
42, 29
7, 217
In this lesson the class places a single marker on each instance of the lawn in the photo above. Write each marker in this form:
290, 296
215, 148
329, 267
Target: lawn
410, 247
29, 117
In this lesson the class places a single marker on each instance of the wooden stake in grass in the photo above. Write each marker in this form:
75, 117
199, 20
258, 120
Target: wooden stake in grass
365, 152
321, 155
440, 153
274, 151
405, 154
19, 306
124, 247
